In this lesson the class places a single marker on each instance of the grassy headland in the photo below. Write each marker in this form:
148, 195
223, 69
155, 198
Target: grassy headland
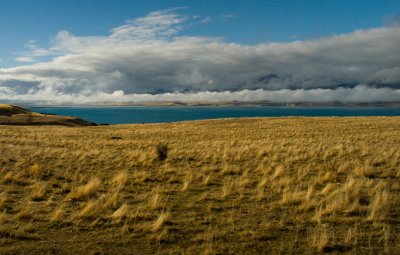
14, 115
232, 186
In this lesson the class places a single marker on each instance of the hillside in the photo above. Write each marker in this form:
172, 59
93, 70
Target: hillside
9, 110
14, 115
231, 186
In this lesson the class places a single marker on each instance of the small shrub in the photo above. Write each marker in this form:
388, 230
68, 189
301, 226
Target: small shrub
162, 151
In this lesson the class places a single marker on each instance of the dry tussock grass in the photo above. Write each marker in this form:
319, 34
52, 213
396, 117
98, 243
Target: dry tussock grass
85, 191
286, 185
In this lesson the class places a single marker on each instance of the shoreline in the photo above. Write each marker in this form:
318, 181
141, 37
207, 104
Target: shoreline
79, 116
206, 121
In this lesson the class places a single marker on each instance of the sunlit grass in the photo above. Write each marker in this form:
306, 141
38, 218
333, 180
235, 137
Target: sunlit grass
233, 186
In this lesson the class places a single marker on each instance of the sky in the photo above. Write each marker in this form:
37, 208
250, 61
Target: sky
91, 51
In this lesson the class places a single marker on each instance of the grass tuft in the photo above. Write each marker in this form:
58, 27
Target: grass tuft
85, 191
160, 221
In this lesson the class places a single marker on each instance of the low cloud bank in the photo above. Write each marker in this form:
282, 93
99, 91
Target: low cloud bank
358, 94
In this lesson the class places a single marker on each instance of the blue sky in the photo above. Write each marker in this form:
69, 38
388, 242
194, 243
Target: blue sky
245, 22
93, 51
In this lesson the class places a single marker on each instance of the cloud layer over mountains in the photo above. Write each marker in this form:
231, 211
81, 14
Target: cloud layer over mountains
146, 59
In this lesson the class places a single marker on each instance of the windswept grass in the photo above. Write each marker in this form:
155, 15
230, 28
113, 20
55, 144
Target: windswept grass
233, 186
85, 191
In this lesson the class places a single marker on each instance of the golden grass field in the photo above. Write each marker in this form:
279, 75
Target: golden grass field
232, 186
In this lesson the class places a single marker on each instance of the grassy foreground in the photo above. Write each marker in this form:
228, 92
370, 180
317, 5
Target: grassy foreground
234, 186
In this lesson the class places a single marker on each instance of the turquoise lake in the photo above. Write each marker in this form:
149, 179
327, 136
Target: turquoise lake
158, 114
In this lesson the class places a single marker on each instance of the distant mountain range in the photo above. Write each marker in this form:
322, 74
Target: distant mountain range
277, 82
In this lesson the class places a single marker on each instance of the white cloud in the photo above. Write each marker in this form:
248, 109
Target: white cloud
360, 93
228, 16
155, 24
391, 20
25, 59
146, 59
35, 51
206, 20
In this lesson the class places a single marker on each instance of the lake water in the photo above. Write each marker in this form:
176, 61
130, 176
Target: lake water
156, 114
